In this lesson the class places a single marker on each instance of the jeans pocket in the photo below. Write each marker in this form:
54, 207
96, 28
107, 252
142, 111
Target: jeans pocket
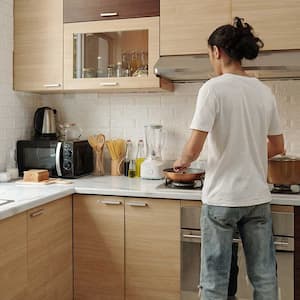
220, 214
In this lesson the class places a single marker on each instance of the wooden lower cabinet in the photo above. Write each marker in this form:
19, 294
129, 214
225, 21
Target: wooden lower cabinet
152, 249
50, 269
98, 247
13, 258
121, 240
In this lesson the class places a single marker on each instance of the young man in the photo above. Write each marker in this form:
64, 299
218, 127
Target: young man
238, 116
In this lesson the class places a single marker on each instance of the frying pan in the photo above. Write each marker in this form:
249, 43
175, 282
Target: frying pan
188, 175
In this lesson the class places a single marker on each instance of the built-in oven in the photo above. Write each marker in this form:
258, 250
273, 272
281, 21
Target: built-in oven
283, 228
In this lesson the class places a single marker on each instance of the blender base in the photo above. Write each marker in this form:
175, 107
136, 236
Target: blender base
152, 169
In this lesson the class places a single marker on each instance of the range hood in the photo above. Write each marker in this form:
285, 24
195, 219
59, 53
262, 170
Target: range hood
269, 65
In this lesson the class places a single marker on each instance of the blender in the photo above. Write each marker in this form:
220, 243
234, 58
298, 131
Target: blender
153, 165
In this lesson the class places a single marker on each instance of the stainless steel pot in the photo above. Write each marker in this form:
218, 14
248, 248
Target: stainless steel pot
188, 175
284, 170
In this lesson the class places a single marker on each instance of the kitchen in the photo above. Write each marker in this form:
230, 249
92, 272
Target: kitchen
118, 115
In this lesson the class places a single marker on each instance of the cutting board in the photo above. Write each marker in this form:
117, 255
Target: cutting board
44, 182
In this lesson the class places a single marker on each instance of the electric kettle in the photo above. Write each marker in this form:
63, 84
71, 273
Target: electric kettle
45, 123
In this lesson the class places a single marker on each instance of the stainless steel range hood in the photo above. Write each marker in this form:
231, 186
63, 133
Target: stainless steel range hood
268, 65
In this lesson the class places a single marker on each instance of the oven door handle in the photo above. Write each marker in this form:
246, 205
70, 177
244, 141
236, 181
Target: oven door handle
57, 159
192, 236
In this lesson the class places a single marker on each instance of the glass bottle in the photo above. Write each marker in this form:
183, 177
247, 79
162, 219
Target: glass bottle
119, 69
140, 157
131, 170
100, 71
125, 64
127, 157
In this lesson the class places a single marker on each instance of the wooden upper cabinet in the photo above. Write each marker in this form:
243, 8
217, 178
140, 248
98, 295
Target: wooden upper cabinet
38, 45
94, 50
152, 249
186, 25
276, 22
13, 258
94, 10
50, 271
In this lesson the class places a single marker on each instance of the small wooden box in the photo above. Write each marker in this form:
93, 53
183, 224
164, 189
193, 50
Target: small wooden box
36, 175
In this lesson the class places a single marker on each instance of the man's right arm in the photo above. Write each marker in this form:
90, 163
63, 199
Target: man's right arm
275, 145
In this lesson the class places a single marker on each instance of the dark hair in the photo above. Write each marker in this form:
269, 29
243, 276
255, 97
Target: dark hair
237, 41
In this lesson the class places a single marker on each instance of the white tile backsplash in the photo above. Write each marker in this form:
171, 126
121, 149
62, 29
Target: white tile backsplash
124, 116
16, 109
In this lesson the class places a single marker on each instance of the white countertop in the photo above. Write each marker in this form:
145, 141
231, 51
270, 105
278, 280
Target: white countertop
29, 196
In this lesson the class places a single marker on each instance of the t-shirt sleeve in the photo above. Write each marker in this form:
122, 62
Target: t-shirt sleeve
275, 127
206, 110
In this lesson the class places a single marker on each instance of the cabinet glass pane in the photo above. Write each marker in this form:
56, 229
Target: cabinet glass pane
110, 54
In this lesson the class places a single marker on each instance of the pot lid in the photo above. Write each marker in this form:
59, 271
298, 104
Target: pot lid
285, 158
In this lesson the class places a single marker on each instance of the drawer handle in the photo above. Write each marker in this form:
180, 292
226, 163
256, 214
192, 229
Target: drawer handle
52, 85
109, 202
109, 83
109, 14
137, 204
37, 213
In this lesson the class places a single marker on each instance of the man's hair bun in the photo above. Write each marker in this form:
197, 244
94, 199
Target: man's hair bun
237, 40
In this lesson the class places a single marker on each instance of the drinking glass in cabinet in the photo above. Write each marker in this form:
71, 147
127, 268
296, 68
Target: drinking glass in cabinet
110, 54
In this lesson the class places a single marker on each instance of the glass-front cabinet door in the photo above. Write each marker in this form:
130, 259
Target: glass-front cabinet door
112, 55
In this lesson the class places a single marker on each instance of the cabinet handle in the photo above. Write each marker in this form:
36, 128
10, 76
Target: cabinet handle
109, 83
138, 204
109, 14
52, 85
37, 213
281, 243
109, 202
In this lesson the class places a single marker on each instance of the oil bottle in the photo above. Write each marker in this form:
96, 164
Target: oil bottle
127, 157
140, 157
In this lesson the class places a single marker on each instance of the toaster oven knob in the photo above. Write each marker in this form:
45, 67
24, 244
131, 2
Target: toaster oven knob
67, 165
68, 153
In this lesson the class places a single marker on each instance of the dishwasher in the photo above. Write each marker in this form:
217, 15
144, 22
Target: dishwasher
283, 229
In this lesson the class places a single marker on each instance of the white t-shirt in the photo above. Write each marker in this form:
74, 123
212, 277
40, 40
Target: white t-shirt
238, 112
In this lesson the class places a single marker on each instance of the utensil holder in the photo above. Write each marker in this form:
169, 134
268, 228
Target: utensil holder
117, 167
98, 163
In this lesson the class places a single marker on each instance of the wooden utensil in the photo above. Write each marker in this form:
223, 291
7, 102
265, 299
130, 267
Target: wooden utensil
97, 142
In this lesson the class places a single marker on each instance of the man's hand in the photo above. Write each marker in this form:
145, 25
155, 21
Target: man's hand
191, 150
180, 166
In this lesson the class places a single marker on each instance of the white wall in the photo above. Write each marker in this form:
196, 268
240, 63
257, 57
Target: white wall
123, 116
16, 109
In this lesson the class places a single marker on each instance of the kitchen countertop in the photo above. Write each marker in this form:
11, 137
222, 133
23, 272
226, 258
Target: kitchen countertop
29, 196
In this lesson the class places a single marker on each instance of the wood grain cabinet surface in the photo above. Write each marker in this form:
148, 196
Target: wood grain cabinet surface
13, 258
185, 28
50, 251
94, 10
152, 249
276, 22
98, 247
38, 45
185, 25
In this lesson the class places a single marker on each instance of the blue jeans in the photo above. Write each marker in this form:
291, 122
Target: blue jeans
218, 225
